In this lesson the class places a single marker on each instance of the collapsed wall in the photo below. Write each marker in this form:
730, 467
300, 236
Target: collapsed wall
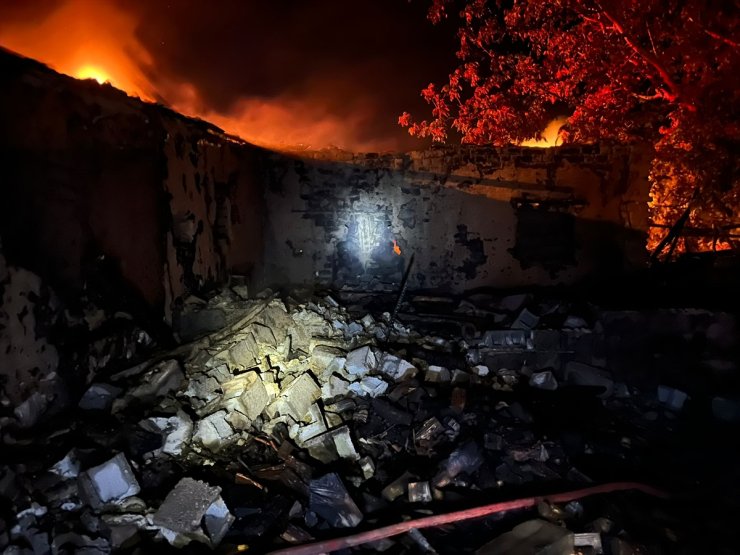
96, 182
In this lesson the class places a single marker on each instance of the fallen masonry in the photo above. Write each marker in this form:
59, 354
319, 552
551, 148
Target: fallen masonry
282, 421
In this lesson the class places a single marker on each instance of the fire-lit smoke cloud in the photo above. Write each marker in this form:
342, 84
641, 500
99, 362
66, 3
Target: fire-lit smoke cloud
320, 73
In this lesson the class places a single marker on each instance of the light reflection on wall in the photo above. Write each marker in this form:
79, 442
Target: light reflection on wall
369, 236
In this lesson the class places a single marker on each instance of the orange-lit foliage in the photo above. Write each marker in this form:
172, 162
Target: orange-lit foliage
665, 73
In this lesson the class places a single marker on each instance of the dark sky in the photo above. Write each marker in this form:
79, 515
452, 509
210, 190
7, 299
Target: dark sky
359, 63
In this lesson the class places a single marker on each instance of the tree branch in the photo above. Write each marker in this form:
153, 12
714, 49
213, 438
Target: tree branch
722, 39
673, 92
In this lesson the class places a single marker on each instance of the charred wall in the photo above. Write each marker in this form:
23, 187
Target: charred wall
472, 217
96, 184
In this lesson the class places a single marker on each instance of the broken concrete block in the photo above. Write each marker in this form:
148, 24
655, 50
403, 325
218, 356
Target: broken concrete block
165, 378
397, 487
193, 510
525, 320
334, 387
99, 396
251, 391
68, 467
369, 385
671, 397
246, 353
437, 374
480, 370
111, 482
543, 380
360, 361
325, 360
315, 427
396, 368
175, 430
213, 431
343, 443
332, 445
368, 467
263, 336
419, 492
299, 395
352, 329
330, 500
367, 321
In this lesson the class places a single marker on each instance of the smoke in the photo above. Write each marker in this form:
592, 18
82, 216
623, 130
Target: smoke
320, 73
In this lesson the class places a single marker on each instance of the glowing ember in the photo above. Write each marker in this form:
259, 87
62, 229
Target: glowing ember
396, 248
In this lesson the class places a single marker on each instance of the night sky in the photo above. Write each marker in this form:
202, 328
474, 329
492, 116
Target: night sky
321, 67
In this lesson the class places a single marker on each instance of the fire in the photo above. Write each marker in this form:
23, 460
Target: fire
87, 39
396, 248
92, 72
97, 39
550, 136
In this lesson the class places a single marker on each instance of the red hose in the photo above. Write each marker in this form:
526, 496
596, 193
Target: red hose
327, 546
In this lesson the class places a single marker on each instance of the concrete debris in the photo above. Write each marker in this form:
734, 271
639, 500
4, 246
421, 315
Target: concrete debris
371, 386
298, 397
175, 432
396, 368
437, 374
214, 431
360, 361
193, 510
108, 483
295, 401
525, 321
480, 370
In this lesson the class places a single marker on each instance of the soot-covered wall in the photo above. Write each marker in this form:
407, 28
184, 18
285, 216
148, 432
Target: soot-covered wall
96, 183
472, 217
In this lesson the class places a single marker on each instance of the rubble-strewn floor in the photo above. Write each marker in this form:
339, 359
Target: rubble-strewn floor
292, 420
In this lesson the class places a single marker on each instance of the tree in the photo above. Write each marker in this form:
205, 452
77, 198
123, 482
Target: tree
663, 73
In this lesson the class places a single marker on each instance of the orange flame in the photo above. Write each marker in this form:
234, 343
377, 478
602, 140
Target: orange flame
96, 39
396, 248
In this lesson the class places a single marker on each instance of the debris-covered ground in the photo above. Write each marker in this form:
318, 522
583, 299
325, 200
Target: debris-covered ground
281, 421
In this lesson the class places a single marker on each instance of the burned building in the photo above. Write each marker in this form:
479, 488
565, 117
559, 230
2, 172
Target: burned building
208, 344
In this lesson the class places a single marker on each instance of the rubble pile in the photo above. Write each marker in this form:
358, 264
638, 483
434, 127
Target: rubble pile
279, 422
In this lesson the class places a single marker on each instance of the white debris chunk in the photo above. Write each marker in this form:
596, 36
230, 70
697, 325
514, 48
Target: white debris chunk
68, 467
111, 482
480, 370
396, 368
213, 430
360, 361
